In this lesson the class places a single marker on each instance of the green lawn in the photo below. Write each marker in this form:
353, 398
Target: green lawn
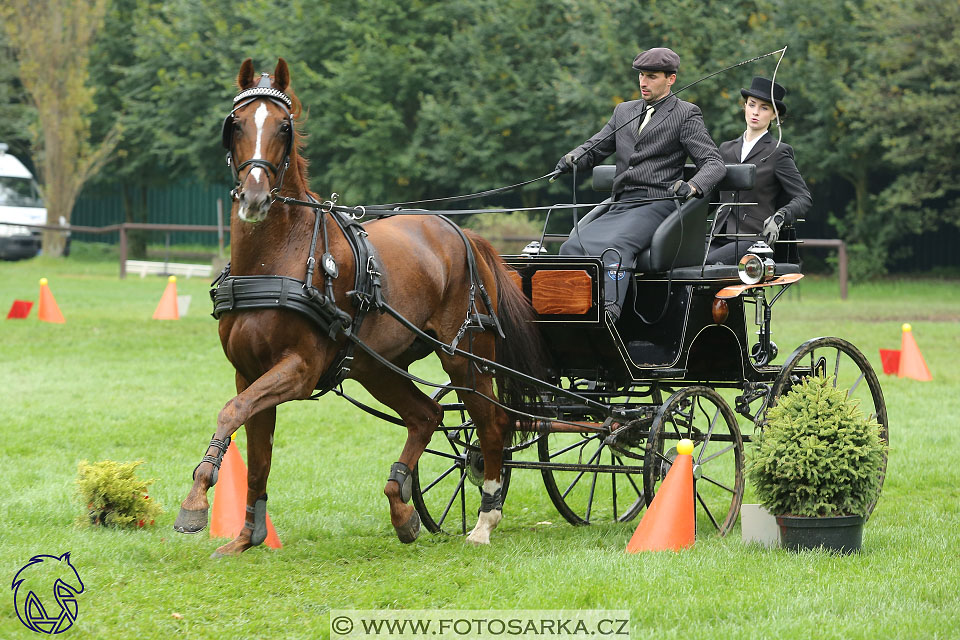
113, 384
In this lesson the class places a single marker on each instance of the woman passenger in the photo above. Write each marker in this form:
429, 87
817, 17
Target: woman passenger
779, 190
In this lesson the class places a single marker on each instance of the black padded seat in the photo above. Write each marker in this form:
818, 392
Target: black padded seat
679, 240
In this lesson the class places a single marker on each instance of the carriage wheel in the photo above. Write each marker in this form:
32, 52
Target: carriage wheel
603, 482
850, 369
447, 479
702, 415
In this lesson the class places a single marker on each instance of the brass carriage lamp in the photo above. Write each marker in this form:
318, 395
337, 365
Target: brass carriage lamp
757, 264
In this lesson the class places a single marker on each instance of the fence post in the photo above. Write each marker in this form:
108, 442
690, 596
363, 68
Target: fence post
842, 267
220, 225
123, 250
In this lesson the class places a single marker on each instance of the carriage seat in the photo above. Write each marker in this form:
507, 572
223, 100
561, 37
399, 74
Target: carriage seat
679, 241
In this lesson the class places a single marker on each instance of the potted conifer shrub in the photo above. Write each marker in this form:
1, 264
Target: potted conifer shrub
817, 467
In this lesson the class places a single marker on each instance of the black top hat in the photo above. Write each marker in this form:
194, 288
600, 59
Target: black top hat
760, 89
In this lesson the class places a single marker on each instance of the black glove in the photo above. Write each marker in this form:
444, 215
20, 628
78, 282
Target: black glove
773, 224
684, 190
565, 164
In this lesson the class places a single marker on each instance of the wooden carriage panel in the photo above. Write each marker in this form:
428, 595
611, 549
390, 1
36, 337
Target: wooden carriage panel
517, 280
561, 291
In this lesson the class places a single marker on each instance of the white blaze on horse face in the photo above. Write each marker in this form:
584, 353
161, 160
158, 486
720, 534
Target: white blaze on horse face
488, 520
258, 211
258, 119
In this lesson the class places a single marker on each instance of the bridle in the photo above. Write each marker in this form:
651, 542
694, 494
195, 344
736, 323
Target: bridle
263, 91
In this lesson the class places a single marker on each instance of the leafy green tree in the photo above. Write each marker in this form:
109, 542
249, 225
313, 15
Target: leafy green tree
52, 42
17, 115
906, 104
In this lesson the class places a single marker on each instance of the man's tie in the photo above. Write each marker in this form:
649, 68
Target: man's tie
646, 119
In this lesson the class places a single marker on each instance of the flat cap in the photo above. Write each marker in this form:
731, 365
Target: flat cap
657, 59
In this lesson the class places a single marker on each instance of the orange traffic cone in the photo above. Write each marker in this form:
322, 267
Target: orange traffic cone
668, 523
912, 364
230, 500
167, 309
47, 309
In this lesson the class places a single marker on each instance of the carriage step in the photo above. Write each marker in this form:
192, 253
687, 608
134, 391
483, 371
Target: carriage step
666, 372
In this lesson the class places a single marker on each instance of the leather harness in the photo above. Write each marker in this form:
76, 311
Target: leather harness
231, 293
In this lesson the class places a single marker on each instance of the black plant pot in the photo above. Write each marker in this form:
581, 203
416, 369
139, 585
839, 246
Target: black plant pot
843, 534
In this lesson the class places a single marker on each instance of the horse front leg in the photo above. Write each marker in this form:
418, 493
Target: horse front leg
260, 428
289, 379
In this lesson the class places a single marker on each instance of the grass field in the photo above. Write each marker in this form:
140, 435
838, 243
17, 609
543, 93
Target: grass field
113, 384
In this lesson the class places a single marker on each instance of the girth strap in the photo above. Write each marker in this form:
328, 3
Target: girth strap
241, 293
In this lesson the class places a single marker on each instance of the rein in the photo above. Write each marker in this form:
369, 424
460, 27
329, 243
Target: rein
238, 293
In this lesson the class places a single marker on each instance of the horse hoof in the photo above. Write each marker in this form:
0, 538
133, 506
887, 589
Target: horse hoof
409, 531
189, 521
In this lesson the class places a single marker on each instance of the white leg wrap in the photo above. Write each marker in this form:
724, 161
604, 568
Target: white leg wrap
488, 520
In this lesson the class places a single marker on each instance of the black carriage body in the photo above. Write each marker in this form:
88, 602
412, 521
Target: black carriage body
666, 332
627, 392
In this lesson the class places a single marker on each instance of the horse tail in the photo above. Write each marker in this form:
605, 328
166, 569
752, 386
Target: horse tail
522, 347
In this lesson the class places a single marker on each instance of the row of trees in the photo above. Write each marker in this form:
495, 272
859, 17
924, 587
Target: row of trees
424, 99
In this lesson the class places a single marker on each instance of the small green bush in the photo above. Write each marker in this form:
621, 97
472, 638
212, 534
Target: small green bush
113, 495
819, 455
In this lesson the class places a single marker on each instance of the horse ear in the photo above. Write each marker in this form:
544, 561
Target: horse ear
245, 77
281, 75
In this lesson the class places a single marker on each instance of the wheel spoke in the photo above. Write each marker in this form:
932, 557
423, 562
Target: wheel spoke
855, 384
706, 439
580, 475
459, 489
718, 454
443, 454
581, 443
629, 477
719, 484
593, 487
836, 370
613, 484
423, 491
707, 510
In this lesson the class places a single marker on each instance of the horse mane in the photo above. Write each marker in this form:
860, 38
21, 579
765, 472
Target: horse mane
299, 138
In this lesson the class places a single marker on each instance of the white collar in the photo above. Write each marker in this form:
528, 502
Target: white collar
748, 146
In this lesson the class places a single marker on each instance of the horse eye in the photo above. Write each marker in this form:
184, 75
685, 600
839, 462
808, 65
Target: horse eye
285, 127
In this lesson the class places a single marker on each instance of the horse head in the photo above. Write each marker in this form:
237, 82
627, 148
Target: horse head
259, 137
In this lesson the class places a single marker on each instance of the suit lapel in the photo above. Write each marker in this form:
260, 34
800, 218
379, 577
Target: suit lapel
659, 115
637, 114
762, 146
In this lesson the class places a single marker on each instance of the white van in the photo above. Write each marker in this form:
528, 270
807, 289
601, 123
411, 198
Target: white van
20, 204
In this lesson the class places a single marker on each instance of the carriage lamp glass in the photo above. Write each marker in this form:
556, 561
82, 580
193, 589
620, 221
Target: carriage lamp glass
720, 310
770, 267
751, 269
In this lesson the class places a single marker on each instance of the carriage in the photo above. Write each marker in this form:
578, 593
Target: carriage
682, 361
312, 296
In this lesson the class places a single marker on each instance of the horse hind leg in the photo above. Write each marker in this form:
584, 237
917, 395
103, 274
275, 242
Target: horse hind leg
492, 430
421, 415
491, 424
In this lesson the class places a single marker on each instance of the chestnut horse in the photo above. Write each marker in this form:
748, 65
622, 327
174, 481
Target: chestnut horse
280, 354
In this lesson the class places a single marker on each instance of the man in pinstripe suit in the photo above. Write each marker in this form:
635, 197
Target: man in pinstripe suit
658, 133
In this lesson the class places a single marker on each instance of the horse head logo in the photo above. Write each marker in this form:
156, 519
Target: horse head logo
33, 585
